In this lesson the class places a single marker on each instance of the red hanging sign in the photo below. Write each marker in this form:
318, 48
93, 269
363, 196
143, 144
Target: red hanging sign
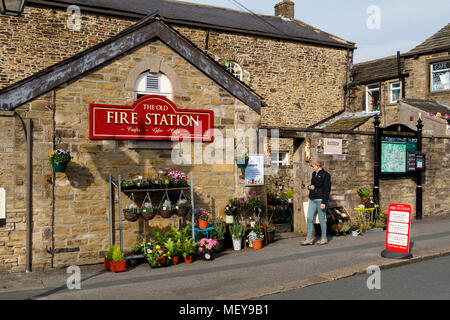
151, 117
398, 228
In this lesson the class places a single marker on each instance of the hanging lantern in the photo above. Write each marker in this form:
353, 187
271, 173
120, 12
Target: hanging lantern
12, 7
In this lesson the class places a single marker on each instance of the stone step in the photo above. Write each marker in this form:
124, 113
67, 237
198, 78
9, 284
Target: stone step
283, 227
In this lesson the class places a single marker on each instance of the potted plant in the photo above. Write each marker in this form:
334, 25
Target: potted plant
256, 236
270, 231
207, 247
202, 218
242, 161
59, 160
114, 260
189, 249
219, 236
363, 194
174, 249
230, 211
156, 254
148, 211
131, 213
166, 210
141, 183
176, 178
183, 207
237, 231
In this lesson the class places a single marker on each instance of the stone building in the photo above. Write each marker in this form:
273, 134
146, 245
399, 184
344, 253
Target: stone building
271, 75
55, 64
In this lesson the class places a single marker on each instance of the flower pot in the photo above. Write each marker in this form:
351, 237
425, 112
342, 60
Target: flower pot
220, 245
188, 259
106, 263
59, 167
202, 224
241, 164
131, 216
182, 212
257, 244
175, 260
229, 219
270, 236
148, 215
208, 256
117, 266
166, 213
237, 244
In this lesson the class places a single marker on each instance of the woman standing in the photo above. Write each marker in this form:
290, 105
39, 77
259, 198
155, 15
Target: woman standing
319, 195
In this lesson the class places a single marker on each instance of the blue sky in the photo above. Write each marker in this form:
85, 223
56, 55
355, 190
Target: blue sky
403, 23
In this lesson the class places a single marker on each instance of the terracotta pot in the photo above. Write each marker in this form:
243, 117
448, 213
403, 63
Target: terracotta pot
188, 259
176, 260
202, 224
257, 244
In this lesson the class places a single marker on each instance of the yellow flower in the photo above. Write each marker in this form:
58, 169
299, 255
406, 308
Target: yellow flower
158, 247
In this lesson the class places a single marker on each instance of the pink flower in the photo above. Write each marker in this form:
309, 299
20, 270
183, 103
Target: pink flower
431, 114
446, 116
207, 256
200, 249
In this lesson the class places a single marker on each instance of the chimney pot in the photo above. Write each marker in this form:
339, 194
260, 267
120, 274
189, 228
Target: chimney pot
285, 9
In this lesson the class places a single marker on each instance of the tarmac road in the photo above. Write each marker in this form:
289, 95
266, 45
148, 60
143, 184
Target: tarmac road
426, 280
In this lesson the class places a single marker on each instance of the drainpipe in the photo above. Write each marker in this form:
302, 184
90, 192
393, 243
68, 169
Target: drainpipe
29, 194
400, 74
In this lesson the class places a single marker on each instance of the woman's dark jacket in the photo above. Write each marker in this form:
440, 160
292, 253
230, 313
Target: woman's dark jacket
322, 186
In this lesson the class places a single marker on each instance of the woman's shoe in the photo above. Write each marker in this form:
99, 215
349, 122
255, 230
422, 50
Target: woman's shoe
322, 242
307, 242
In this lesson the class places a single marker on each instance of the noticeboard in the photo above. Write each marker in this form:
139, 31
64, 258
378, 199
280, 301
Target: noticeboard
254, 173
398, 228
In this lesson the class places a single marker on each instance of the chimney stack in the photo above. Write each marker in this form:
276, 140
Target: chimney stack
285, 9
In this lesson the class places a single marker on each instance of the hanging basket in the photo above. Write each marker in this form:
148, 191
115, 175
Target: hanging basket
59, 167
131, 216
148, 215
166, 213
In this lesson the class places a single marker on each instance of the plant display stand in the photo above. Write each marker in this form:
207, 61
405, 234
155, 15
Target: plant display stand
118, 184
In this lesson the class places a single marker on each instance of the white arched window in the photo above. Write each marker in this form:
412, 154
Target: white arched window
235, 69
153, 83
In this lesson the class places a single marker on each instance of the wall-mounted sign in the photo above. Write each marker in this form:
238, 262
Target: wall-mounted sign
332, 146
398, 228
150, 118
254, 173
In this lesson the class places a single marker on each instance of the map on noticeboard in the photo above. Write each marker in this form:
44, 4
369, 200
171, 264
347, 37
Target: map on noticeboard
393, 157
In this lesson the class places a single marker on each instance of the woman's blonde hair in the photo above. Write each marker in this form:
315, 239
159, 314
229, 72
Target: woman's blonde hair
316, 161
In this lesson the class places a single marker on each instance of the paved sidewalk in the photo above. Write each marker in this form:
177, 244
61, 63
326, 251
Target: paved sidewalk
245, 274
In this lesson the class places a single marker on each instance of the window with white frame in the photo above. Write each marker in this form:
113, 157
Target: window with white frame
280, 158
395, 89
234, 69
373, 98
153, 83
440, 76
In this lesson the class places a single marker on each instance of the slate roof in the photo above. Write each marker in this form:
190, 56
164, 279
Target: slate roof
375, 70
437, 42
428, 106
100, 54
346, 121
209, 16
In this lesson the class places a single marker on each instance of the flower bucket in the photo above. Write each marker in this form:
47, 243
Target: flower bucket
257, 244
175, 260
237, 244
202, 224
188, 259
59, 167
270, 236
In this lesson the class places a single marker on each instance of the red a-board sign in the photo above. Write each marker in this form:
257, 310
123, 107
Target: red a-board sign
151, 117
398, 228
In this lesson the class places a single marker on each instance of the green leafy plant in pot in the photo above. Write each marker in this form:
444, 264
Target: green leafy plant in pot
59, 159
189, 249
219, 235
237, 231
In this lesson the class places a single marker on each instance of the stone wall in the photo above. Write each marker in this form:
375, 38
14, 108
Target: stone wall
301, 83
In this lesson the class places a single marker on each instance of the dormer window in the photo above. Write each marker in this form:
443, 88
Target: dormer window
153, 83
